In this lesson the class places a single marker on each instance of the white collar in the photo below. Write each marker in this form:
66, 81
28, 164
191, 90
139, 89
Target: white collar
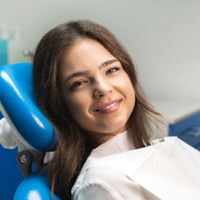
117, 144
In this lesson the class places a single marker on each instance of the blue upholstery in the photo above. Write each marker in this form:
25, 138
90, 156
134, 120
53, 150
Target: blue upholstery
35, 187
19, 107
16, 96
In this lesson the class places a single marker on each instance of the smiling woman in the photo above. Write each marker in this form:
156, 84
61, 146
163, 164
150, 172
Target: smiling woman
86, 84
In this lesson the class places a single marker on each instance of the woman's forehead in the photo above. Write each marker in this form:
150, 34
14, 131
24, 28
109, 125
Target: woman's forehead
87, 52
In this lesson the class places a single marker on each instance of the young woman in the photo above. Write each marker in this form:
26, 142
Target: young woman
86, 84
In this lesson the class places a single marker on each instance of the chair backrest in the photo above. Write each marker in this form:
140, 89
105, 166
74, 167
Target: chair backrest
18, 105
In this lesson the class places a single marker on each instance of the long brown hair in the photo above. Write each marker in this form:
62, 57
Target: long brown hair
72, 150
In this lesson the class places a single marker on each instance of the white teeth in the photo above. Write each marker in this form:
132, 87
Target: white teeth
107, 107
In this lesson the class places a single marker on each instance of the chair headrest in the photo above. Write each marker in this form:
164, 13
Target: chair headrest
19, 107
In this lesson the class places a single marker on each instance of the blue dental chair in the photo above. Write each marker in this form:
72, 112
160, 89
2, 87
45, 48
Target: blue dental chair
30, 127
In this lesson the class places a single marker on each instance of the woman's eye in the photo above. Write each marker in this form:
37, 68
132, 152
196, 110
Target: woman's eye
77, 84
112, 70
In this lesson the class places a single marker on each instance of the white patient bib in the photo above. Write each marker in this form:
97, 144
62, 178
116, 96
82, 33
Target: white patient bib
167, 169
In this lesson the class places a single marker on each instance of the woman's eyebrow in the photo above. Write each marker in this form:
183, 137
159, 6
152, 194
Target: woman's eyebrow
106, 63
76, 74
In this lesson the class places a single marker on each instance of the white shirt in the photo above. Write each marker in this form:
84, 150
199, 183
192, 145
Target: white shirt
107, 183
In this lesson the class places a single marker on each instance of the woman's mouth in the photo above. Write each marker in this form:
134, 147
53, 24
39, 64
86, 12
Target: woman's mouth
109, 107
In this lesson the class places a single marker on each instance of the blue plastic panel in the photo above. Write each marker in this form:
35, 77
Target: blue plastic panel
188, 130
1, 115
10, 175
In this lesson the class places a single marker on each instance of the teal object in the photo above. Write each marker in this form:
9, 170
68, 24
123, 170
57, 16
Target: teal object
3, 52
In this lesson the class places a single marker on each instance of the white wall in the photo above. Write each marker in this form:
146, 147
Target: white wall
162, 36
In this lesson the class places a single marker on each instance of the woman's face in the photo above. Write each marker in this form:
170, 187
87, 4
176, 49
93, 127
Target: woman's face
97, 91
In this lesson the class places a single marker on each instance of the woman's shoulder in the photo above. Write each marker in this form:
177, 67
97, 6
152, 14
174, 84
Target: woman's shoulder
105, 182
102, 173
96, 181
98, 174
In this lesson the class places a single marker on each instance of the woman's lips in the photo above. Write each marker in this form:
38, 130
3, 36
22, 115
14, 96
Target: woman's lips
109, 107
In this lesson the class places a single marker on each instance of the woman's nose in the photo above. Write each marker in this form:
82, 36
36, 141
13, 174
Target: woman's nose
102, 88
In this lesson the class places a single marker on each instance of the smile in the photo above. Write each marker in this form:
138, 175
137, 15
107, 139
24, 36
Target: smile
111, 107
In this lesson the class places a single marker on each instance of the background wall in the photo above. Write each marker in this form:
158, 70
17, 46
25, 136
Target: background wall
163, 37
